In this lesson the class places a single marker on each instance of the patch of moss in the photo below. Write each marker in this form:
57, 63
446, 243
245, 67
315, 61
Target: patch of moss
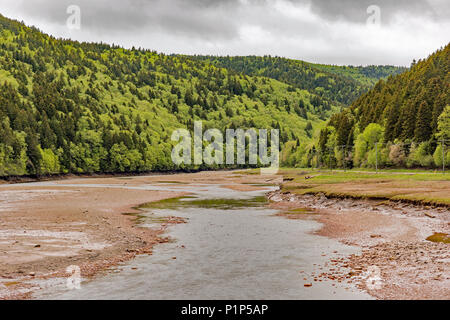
139, 217
439, 237
171, 203
228, 204
223, 204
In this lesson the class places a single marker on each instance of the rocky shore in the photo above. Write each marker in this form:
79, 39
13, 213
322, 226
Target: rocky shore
396, 260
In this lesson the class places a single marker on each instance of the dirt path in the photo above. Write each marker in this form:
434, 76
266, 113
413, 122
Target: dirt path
396, 257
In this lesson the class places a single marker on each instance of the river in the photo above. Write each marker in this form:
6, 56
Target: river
232, 247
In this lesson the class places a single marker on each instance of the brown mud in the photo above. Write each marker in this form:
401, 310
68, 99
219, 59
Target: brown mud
397, 260
44, 228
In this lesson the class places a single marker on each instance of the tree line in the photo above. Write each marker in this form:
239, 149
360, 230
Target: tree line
407, 117
70, 107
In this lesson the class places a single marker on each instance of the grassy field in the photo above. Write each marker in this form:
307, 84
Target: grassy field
422, 187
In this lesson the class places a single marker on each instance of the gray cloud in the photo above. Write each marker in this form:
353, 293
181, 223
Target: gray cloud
200, 18
355, 10
327, 31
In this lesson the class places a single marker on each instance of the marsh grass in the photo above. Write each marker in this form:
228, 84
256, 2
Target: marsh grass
423, 188
221, 204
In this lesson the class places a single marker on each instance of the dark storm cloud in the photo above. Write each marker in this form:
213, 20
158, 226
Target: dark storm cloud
211, 18
356, 10
202, 18
327, 31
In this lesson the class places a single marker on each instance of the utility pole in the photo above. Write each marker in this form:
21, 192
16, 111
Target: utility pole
329, 161
319, 160
443, 155
376, 157
343, 158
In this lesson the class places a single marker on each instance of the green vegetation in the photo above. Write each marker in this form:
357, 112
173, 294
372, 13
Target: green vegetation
424, 188
402, 122
83, 107
222, 204
368, 76
439, 237
332, 84
70, 107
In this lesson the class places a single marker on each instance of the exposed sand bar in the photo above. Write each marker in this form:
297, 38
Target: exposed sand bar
392, 236
45, 227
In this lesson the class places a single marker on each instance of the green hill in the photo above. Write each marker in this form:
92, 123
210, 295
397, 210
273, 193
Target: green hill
368, 76
407, 116
335, 84
77, 107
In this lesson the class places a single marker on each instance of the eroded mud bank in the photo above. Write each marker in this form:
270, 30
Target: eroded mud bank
396, 255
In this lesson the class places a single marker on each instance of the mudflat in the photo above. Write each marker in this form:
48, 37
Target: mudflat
92, 223
89, 222
401, 222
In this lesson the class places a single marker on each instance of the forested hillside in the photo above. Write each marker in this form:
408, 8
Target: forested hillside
82, 107
368, 75
402, 122
334, 84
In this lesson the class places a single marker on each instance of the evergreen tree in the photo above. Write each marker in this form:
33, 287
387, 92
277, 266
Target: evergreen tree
423, 124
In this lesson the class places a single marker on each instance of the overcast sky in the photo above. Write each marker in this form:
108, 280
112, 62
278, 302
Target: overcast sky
324, 31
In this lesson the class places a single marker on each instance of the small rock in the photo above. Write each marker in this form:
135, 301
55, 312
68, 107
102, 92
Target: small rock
37, 246
307, 285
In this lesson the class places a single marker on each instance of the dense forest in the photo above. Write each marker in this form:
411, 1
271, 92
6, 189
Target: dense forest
83, 107
368, 75
402, 122
334, 84
70, 107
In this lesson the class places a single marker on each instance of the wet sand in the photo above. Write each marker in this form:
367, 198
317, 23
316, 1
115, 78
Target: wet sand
396, 256
47, 226
232, 247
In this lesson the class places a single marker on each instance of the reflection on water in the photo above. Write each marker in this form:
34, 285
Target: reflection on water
233, 247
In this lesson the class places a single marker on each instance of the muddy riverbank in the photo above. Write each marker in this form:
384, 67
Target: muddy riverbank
232, 247
396, 254
47, 226
95, 223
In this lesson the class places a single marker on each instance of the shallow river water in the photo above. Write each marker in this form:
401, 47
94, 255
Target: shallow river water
232, 247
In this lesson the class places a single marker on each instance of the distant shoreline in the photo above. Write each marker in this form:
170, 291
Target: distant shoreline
66, 176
